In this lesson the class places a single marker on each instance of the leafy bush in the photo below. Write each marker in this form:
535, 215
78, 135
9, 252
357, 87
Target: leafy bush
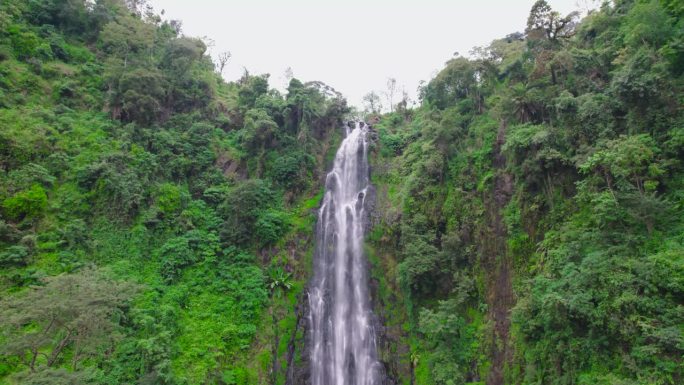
293, 171
25, 43
14, 255
26, 204
270, 226
169, 198
243, 207
180, 252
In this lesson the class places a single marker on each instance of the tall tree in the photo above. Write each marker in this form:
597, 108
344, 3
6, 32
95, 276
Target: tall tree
391, 91
78, 313
223, 58
544, 22
372, 103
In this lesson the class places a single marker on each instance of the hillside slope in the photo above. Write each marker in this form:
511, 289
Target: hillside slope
155, 220
530, 221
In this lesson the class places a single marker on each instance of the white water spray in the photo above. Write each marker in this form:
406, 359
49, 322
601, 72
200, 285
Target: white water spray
342, 335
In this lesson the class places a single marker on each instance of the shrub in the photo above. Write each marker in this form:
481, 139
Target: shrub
27, 203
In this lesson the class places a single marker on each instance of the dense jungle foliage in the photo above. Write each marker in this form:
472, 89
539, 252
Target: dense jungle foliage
155, 220
530, 224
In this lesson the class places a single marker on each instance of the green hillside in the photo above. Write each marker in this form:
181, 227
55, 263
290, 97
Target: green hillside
157, 222
152, 213
532, 208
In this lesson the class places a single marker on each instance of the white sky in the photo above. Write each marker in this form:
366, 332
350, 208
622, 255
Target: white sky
352, 45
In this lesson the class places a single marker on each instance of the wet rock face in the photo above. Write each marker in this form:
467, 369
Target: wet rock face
369, 206
382, 334
298, 371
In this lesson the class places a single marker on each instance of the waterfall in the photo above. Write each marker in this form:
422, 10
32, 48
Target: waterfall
342, 339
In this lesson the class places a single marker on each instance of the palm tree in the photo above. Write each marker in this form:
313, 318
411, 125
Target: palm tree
279, 280
525, 106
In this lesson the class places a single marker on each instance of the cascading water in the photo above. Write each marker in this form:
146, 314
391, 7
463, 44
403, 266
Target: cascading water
341, 321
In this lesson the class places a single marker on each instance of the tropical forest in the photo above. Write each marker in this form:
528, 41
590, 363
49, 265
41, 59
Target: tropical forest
519, 221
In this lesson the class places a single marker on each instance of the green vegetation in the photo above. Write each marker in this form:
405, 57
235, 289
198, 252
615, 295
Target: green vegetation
155, 220
533, 207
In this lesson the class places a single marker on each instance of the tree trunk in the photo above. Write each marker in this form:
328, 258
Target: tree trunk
58, 349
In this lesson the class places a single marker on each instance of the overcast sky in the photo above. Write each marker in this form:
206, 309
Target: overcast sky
352, 45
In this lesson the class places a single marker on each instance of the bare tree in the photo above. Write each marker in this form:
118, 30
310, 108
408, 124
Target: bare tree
289, 74
402, 106
223, 58
588, 6
209, 42
287, 77
391, 90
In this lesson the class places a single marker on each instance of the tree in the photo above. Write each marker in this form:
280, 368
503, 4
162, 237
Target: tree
243, 208
223, 58
648, 24
453, 84
628, 163
450, 339
260, 131
188, 90
544, 22
288, 74
56, 376
118, 181
391, 91
180, 54
525, 103
127, 36
77, 312
372, 103
251, 87
142, 93
402, 106
138, 7
629, 168
279, 281
303, 103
